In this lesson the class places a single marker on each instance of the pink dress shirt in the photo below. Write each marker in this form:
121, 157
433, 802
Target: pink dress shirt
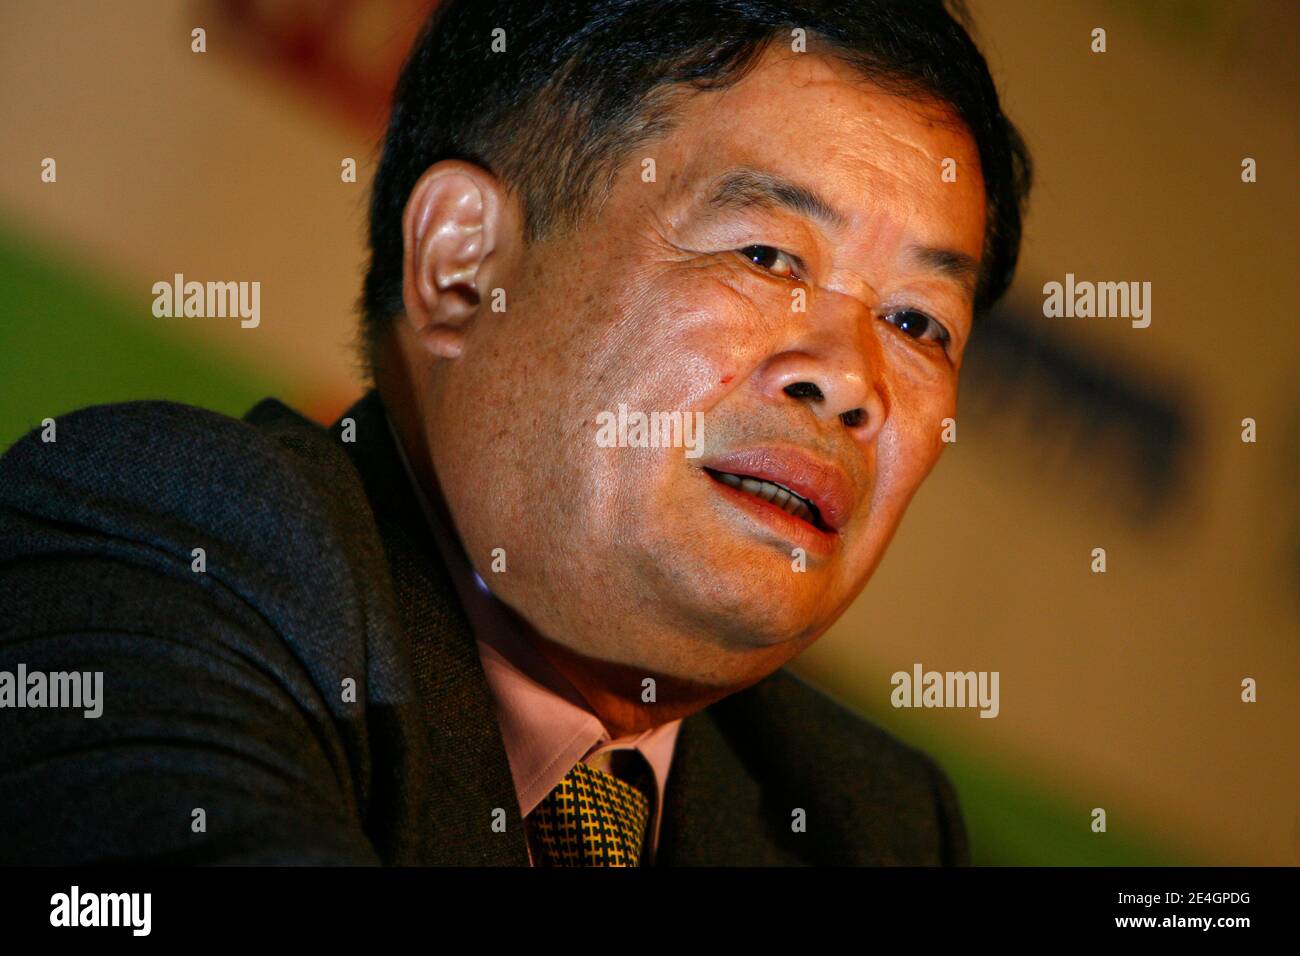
545, 724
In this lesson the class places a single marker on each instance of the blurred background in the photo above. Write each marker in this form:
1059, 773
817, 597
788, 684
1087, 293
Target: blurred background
1119, 690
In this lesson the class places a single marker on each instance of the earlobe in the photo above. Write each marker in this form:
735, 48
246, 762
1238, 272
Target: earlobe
448, 231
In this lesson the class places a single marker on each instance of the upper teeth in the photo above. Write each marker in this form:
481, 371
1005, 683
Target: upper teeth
783, 498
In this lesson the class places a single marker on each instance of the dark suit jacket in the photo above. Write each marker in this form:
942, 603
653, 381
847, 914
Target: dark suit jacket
225, 690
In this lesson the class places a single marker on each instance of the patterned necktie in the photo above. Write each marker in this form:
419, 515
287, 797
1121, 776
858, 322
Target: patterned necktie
594, 818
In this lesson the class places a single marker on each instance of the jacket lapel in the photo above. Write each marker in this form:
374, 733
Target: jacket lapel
457, 703
716, 811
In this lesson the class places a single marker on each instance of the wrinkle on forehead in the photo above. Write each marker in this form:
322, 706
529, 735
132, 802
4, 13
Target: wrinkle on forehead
875, 154
841, 102
829, 76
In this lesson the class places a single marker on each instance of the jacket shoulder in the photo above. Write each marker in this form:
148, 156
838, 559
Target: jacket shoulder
204, 569
844, 730
160, 470
169, 456
272, 502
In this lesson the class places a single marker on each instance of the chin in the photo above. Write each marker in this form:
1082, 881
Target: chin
740, 607
727, 578
768, 622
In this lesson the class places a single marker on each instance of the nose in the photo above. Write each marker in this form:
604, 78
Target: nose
833, 368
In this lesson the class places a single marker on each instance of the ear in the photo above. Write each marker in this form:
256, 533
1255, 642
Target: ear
451, 225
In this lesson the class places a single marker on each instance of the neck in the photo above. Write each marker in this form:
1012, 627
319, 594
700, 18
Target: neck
627, 700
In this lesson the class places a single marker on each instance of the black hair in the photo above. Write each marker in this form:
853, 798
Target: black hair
581, 83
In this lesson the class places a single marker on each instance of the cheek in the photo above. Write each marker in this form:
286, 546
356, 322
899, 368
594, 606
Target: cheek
908, 448
912, 440
687, 336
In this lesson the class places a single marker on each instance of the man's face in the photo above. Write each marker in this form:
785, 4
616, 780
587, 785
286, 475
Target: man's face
799, 332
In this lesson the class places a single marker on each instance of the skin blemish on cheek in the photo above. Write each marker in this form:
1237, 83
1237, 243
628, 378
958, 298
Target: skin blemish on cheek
727, 378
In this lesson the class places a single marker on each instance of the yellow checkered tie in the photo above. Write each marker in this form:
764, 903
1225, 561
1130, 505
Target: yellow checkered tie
591, 818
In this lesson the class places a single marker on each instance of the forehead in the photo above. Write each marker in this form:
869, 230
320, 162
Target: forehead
876, 157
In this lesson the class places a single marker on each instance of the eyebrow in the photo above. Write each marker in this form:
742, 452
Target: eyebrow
744, 187
961, 268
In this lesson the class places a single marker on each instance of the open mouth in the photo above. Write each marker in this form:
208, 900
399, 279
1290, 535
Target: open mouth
774, 494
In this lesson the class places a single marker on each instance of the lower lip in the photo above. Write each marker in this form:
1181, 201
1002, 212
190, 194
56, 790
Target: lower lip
795, 530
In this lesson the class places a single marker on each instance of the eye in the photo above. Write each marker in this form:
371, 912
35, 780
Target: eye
780, 264
918, 325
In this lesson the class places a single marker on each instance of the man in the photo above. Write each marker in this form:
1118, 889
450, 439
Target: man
463, 625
